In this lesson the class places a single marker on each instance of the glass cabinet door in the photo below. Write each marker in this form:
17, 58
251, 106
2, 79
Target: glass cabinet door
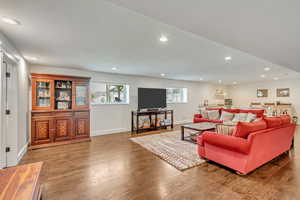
43, 93
81, 95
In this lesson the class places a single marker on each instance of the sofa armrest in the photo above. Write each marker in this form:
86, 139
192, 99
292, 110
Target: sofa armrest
226, 141
200, 140
197, 116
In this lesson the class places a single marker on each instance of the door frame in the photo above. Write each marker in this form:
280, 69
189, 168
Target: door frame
2, 108
13, 155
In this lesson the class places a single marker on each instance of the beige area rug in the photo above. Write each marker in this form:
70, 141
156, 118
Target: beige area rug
169, 147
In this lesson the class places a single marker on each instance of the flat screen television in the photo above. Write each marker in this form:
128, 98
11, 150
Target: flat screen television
152, 98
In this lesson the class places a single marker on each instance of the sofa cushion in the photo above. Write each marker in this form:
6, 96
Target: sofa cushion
285, 119
243, 129
240, 117
250, 117
213, 114
273, 122
226, 141
259, 113
226, 116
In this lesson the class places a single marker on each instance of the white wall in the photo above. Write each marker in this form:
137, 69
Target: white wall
116, 118
22, 94
243, 94
23, 104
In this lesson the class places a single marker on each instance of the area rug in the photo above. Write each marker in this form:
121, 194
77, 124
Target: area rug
170, 148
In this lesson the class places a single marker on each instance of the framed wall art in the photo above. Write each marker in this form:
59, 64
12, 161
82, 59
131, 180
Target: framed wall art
262, 93
283, 92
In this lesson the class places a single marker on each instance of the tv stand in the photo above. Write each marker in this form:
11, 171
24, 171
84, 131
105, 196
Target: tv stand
152, 110
162, 120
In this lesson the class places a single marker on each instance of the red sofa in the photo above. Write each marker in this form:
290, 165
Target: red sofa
198, 117
246, 153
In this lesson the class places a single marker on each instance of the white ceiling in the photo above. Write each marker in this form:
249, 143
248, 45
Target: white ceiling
265, 28
98, 35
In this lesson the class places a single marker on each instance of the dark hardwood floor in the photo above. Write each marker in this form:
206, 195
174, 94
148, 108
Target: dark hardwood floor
113, 167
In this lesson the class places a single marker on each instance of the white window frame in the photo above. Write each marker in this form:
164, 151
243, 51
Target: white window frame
107, 84
181, 102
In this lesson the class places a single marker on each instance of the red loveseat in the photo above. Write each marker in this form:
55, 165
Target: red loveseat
198, 118
244, 154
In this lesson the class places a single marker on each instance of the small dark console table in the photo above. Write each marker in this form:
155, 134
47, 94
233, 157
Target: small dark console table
152, 120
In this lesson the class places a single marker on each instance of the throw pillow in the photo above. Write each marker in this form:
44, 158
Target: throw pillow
230, 123
213, 114
273, 122
235, 118
250, 117
286, 119
243, 129
226, 116
204, 113
240, 117
243, 117
224, 129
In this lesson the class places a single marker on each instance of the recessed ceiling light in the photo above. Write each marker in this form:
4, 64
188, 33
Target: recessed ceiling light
29, 58
10, 21
228, 58
263, 76
114, 68
276, 78
163, 39
162, 74
267, 69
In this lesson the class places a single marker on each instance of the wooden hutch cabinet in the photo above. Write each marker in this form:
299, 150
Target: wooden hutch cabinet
60, 110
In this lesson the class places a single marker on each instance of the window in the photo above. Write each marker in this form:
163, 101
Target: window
176, 95
104, 93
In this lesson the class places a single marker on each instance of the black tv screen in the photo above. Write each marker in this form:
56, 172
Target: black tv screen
152, 98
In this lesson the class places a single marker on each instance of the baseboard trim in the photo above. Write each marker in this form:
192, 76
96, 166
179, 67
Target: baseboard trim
109, 131
183, 122
119, 130
22, 152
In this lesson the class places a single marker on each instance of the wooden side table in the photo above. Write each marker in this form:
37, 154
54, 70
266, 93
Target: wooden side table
21, 182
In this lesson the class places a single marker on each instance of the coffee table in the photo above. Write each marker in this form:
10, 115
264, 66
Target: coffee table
199, 128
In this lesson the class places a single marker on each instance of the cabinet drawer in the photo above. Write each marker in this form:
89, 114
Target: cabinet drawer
41, 115
82, 114
63, 114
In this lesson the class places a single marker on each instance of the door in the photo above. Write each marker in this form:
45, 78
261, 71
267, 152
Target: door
81, 127
42, 94
82, 124
42, 130
63, 128
9, 114
81, 95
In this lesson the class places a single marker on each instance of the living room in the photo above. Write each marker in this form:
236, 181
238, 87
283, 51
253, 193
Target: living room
129, 100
